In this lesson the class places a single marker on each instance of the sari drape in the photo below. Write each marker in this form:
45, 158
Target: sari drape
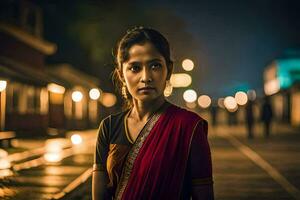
156, 164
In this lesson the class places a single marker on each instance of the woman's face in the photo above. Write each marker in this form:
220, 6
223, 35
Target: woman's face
145, 72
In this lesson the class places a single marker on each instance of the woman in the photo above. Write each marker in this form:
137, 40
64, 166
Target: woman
153, 149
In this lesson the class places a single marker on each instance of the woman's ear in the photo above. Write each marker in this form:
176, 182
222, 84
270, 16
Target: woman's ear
170, 71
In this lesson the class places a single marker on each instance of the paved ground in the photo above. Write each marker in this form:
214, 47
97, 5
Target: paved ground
256, 169
36, 178
243, 169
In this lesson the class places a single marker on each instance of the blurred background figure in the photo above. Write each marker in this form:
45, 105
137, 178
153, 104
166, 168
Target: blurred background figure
214, 112
266, 115
249, 118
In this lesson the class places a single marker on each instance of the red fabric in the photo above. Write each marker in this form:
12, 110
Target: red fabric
159, 168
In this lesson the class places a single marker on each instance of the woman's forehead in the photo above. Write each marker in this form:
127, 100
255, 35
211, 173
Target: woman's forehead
144, 51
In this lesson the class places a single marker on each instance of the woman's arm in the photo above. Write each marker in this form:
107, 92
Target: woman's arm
99, 185
202, 192
99, 176
201, 166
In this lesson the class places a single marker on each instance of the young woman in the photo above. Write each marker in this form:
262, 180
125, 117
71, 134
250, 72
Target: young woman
153, 149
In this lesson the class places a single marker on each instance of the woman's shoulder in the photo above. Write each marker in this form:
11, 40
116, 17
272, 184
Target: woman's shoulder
184, 114
114, 118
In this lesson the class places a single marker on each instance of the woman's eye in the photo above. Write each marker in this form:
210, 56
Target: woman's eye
134, 68
155, 65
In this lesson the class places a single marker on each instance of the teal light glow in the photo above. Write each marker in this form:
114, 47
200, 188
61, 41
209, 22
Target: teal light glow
287, 70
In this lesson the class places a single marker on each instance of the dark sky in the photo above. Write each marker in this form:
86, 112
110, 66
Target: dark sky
230, 41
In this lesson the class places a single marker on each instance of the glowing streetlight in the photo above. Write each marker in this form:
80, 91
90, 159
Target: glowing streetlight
58, 89
94, 93
241, 98
204, 101
3, 85
188, 65
180, 80
190, 96
77, 96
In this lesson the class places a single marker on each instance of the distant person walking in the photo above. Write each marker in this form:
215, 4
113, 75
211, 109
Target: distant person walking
266, 116
214, 112
249, 118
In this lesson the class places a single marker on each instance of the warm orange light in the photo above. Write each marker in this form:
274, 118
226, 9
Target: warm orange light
53, 151
204, 101
3, 85
180, 80
272, 87
241, 98
230, 103
52, 87
234, 109
109, 99
4, 161
188, 65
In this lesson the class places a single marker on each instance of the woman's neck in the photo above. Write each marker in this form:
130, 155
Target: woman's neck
142, 111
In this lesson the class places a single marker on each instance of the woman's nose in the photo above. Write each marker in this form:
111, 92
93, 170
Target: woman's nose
146, 76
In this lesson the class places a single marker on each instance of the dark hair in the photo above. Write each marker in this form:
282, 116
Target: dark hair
138, 35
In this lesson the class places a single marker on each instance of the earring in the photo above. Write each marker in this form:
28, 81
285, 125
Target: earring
124, 92
168, 89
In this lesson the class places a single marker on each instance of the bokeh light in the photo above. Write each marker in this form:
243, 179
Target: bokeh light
108, 99
180, 80
55, 88
204, 101
53, 151
188, 65
190, 95
94, 93
230, 103
77, 96
241, 98
3, 85
76, 139
4, 161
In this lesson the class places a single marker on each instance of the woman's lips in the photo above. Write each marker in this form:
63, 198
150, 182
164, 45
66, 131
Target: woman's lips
146, 89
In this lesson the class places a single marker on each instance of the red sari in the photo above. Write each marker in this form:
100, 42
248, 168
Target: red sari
155, 166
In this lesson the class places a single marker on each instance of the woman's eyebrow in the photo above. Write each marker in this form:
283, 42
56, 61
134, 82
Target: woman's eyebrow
133, 63
154, 60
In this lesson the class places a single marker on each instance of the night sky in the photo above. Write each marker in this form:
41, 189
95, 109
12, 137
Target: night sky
230, 41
